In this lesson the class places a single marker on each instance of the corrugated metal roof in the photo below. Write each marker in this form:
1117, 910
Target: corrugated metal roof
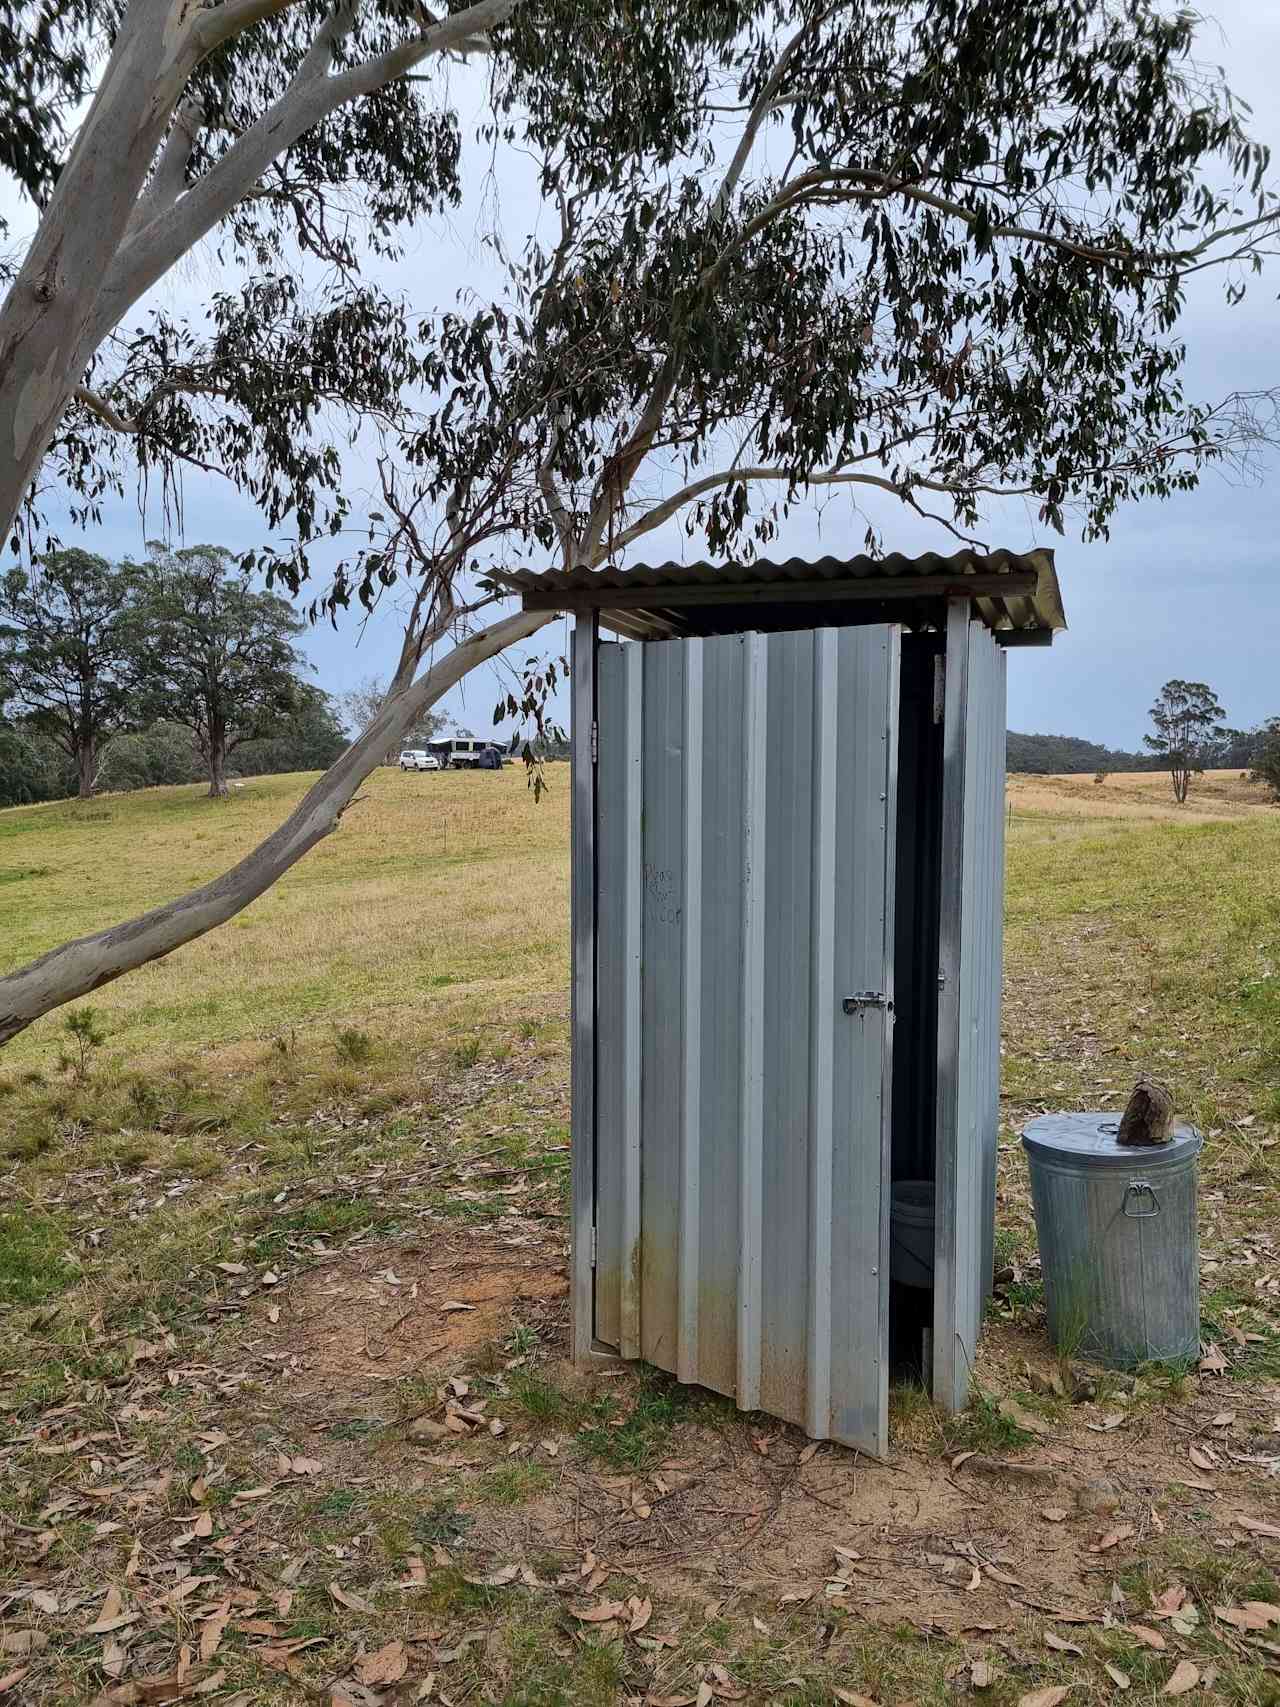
1015, 593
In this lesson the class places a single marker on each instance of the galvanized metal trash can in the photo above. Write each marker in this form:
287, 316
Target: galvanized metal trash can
1118, 1244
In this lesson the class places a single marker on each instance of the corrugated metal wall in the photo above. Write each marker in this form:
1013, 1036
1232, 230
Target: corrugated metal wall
972, 913
742, 1116
617, 1036
988, 664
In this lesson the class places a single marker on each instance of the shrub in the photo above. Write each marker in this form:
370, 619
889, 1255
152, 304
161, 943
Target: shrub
353, 1046
86, 1037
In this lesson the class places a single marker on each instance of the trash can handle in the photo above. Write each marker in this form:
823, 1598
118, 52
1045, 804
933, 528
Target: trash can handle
1135, 1189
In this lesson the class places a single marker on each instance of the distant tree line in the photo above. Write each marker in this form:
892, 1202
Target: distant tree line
1058, 755
125, 675
1064, 755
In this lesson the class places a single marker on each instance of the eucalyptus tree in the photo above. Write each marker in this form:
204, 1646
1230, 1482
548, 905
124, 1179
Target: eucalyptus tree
245, 118
1187, 720
66, 652
301, 137
945, 260
937, 252
218, 654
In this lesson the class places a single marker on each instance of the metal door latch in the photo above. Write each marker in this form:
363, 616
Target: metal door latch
867, 999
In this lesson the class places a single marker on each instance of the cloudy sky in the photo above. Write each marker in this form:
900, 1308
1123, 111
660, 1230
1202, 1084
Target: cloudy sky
1184, 588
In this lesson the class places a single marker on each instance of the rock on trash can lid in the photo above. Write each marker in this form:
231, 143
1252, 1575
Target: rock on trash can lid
1090, 1141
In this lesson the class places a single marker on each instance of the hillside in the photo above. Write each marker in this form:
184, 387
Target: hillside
1058, 755
435, 892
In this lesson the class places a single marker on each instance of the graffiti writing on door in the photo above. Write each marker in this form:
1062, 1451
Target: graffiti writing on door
662, 895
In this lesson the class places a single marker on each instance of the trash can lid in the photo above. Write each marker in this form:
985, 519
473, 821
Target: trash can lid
1090, 1140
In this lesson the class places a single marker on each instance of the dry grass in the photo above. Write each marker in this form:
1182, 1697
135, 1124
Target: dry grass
306, 1138
1141, 796
446, 894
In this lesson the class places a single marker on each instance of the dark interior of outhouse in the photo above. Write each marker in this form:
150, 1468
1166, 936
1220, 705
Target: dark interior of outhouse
915, 1050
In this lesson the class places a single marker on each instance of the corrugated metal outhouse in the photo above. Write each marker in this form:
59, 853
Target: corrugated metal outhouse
788, 853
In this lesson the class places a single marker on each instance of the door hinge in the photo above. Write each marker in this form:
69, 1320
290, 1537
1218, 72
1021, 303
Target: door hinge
595, 742
595, 1245
867, 999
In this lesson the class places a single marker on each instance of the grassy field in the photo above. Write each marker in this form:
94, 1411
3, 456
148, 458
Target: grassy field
435, 890
286, 1412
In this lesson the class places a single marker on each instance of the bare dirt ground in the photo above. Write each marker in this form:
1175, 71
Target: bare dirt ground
944, 1536
394, 1485
384, 1313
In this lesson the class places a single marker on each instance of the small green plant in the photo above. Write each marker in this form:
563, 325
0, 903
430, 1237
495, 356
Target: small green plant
352, 1046
145, 1100
440, 1524
540, 1400
984, 1427
522, 1341
26, 1146
466, 1053
34, 1261
340, 1503
914, 1420
354, 1428
633, 1442
513, 1483
86, 1037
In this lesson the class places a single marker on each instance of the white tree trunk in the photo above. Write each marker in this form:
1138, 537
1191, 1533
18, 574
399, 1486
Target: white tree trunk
79, 967
49, 308
108, 235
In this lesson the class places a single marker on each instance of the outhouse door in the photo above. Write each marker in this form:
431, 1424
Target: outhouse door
743, 1017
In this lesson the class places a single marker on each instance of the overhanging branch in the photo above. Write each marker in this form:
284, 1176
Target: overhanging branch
310, 98
833, 184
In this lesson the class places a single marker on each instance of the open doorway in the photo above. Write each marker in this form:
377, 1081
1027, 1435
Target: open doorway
913, 1159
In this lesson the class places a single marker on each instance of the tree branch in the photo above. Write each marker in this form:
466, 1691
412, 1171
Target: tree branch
309, 99
218, 24
903, 488
821, 183
99, 406
171, 170
764, 105
554, 502
825, 477
619, 469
